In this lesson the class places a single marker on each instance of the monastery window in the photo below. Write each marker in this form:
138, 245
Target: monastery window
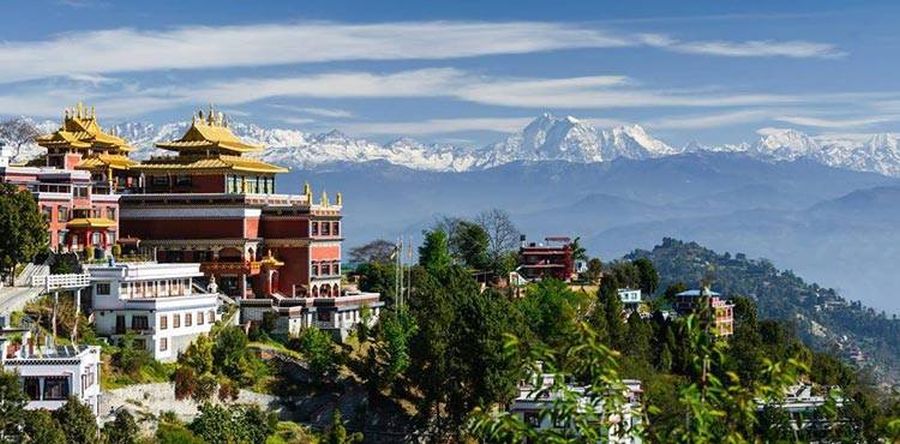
163, 344
32, 385
111, 213
336, 228
315, 270
199, 318
140, 323
314, 231
176, 320
163, 322
63, 214
56, 388
336, 268
212, 316
81, 192
103, 289
183, 181
326, 269
95, 213
48, 213
326, 229
159, 181
188, 320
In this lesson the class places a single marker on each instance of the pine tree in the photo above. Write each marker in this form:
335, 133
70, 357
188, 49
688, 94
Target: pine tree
77, 421
612, 310
123, 430
434, 254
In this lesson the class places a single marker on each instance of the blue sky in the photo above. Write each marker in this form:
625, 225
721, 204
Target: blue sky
463, 71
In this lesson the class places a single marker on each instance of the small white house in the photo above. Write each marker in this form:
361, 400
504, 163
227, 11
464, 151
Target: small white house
159, 303
630, 296
50, 375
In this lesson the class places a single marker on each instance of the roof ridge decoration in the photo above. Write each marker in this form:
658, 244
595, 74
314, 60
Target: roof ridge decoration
81, 131
209, 133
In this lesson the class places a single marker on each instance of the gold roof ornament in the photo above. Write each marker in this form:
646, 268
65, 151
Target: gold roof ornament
201, 164
80, 131
210, 133
339, 199
324, 201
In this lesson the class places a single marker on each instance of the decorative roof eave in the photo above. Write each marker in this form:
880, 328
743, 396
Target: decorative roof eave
91, 222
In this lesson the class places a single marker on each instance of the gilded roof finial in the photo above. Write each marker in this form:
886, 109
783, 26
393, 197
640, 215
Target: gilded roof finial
324, 201
339, 199
80, 109
93, 113
306, 188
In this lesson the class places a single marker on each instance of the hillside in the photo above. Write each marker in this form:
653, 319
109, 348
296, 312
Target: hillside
822, 317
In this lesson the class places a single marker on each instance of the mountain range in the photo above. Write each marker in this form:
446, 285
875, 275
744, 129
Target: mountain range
546, 138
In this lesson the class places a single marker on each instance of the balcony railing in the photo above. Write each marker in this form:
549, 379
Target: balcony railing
61, 281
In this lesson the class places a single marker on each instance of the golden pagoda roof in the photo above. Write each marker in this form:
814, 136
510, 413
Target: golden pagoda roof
105, 161
188, 164
210, 134
80, 130
91, 222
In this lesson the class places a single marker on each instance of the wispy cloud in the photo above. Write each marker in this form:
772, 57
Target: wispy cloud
752, 48
199, 47
439, 126
713, 120
832, 123
321, 112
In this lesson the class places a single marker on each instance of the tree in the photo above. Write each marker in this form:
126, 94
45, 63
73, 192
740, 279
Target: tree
457, 353
40, 428
18, 133
594, 270
389, 356
77, 422
123, 430
378, 277
503, 234
647, 275
610, 308
550, 310
129, 357
469, 244
216, 423
337, 432
434, 254
24, 228
378, 250
230, 353
12, 406
318, 349
640, 337
579, 253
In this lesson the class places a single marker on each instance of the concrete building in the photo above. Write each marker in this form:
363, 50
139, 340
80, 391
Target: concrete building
51, 374
533, 403
158, 302
552, 259
722, 310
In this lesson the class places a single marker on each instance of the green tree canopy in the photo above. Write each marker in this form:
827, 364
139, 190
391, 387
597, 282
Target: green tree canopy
77, 422
434, 254
23, 226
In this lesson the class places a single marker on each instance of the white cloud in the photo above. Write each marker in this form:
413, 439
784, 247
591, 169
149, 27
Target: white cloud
751, 48
819, 122
714, 120
199, 47
321, 112
440, 126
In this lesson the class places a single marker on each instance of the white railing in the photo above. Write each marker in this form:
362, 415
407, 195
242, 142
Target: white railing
61, 281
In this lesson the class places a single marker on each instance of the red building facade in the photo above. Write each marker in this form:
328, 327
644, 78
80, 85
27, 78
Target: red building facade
212, 204
550, 260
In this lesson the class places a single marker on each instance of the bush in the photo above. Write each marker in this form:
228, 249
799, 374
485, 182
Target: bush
77, 422
318, 349
41, 428
123, 430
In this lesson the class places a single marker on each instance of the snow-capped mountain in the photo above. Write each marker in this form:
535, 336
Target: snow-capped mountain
547, 138
552, 138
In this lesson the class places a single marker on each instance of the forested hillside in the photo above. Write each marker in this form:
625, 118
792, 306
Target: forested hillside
821, 316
